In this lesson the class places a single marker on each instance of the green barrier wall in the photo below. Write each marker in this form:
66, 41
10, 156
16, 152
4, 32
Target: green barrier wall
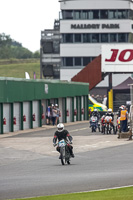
18, 90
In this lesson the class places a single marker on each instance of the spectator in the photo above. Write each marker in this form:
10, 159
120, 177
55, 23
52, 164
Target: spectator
48, 115
54, 114
58, 114
92, 96
124, 119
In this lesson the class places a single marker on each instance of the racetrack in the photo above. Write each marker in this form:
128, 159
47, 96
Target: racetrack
29, 164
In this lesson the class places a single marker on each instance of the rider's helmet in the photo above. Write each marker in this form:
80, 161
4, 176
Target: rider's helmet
95, 111
109, 111
60, 127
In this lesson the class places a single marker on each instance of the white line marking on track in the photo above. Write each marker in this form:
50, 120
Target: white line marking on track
107, 189
79, 129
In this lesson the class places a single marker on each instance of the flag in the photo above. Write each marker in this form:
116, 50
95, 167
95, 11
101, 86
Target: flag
34, 75
27, 76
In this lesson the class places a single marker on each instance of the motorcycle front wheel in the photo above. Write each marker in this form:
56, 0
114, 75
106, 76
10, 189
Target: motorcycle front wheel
107, 130
62, 156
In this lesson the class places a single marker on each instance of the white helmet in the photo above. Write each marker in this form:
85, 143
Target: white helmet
109, 110
60, 127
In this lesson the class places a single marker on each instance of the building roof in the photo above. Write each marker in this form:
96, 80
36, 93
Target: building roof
124, 85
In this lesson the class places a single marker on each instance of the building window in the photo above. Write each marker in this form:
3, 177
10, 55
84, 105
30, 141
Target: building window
104, 37
77, 38
113, 37
97, 14
122, 37
69, 61
48, 47
122, 14
67, 14
112, 14
95, 37
130, 14
77, 61
92, 38
104, 14
94, 14
86, 37
85, 14
69, 38
92, 58
86, 61
77, 14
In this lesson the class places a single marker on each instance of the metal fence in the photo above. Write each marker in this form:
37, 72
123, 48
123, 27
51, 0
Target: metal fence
121, 99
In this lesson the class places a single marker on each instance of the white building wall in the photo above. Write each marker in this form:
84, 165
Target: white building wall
95, 4
80, 50
67, 74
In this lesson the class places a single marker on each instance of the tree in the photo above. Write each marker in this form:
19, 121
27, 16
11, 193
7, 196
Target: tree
5, 40
36, 54
12, 49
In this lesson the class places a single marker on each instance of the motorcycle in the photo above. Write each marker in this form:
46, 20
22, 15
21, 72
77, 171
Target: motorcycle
108, 124
94, 124
103, 124
64, 152
118, 127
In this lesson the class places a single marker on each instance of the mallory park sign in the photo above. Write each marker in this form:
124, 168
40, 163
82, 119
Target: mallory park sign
95, 26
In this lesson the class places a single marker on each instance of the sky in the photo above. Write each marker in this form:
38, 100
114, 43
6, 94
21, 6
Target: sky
24, 20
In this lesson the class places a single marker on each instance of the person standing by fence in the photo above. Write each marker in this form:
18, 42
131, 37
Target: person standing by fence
124, 119
54, 114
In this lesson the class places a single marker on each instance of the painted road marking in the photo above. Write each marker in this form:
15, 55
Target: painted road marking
79, 129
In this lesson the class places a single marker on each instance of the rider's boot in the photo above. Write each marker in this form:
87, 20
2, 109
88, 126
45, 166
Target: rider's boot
71, 153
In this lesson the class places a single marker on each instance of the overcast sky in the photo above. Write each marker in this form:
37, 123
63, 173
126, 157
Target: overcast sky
24, 20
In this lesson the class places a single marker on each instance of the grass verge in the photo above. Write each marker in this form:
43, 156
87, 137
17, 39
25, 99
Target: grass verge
18, 70
111, 194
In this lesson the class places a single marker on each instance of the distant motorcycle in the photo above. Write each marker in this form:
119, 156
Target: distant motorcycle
108, 124
118, 127
94, 124
64, 152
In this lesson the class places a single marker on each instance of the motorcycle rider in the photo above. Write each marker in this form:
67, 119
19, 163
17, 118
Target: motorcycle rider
95, 113
60, 134
111, 114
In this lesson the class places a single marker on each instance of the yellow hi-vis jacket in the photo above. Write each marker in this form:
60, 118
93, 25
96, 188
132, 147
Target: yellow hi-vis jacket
123, 115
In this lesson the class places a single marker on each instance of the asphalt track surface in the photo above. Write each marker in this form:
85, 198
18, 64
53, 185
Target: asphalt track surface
29, 164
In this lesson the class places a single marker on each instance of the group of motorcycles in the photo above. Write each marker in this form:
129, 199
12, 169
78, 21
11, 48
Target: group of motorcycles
104, 125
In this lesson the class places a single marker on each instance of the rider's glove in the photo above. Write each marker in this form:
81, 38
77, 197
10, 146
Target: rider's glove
54, 144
